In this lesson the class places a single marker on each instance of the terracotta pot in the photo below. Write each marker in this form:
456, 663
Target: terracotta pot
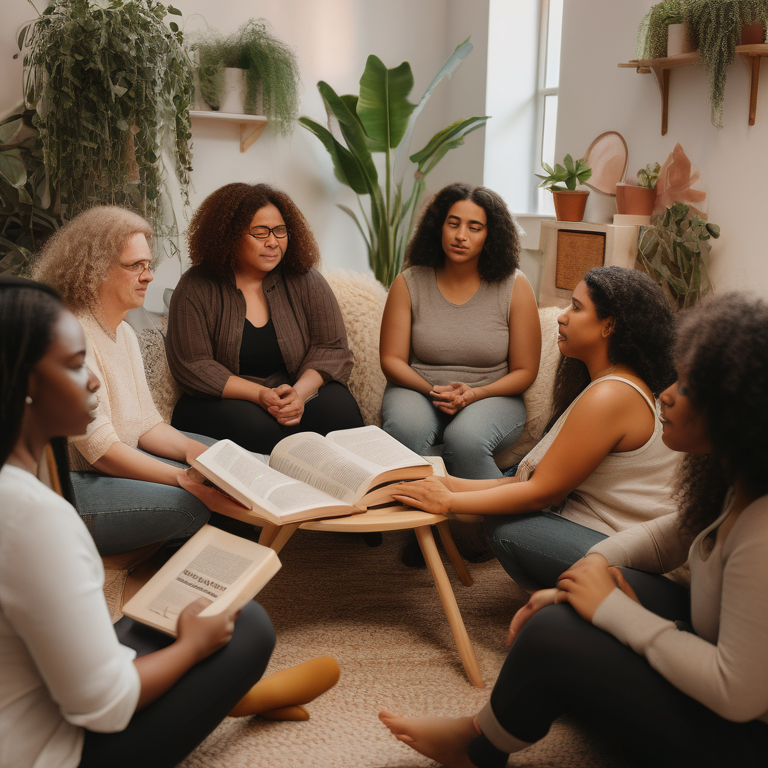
570, 205
752, 34
678, 40
635, 201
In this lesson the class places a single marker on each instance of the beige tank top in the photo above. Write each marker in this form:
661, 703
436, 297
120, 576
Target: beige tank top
627, 487
459, 342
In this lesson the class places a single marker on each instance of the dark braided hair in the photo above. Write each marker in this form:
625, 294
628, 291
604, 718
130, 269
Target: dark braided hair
501, 251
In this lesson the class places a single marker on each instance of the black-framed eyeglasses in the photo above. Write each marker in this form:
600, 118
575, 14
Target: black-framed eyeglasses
262, 233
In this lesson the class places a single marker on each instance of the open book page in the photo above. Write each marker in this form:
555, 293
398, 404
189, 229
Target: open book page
376, 446
259, 486
314, 460
226, 569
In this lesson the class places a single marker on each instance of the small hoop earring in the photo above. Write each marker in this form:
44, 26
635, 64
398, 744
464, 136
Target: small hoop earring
28, 400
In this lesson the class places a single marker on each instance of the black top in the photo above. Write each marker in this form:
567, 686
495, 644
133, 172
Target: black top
260, 353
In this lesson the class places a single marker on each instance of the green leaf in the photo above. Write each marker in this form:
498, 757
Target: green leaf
12, 168
8, 129
383, 106
345, 167
456, 130
174, 11
568, 160
174, 26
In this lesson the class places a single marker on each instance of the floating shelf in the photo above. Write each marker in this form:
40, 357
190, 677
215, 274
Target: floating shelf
251, 126
661, 69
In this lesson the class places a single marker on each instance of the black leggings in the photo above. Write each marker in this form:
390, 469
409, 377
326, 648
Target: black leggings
560, 663
165, 732
251, 427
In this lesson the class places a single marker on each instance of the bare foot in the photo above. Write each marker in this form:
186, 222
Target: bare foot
443, 739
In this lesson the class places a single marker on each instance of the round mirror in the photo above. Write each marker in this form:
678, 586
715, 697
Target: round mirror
607, 156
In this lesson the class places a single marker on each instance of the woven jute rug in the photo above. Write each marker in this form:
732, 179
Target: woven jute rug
385, 625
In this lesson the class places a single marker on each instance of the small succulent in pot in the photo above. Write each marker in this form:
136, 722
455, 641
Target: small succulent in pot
569, 174
648, 176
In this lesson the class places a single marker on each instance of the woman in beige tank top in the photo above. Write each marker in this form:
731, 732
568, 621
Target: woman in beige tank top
602, 466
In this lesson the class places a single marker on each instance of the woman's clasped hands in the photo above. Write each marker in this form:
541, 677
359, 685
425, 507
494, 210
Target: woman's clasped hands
451, 398
584, 585
284, 403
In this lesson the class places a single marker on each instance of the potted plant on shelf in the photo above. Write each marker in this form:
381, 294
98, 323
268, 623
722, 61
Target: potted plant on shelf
256, 58
662, 32
381, 120
638, 199
674, 250
569, 201
111, 86
716, 28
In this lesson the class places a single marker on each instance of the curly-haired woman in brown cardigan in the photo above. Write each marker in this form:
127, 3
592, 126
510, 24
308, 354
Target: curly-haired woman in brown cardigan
255, 336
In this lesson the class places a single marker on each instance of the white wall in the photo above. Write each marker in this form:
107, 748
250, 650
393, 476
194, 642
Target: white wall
332, 39
597, 96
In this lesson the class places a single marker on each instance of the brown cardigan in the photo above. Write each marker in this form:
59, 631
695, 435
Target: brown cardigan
205, 330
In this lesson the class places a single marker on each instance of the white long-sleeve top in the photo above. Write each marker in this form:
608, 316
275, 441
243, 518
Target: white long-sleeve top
62, 668
725, 664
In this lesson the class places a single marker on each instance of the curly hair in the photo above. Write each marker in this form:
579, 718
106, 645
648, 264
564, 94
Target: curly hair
500, 256
75, 261
220, 223
642, 338
721, 352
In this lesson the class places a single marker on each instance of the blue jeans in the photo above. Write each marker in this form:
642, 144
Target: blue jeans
124, 514
471, 437
536, 548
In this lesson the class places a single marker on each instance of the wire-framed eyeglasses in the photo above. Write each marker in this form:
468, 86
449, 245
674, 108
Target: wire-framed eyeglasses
262, 233
138, 267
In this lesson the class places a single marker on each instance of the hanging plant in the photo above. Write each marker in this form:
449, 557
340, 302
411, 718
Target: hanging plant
112, 86
27, 200
271, 72
715, 28
652, 34
674, 250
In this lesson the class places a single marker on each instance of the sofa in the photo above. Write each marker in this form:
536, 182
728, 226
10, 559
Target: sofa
361, 300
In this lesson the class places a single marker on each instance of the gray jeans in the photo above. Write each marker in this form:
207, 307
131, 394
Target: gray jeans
536, 548
124, 514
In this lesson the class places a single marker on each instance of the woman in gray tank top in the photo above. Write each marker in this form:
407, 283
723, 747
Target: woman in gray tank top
602, 466
460, 336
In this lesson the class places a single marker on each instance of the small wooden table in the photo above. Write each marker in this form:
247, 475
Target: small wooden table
399, 519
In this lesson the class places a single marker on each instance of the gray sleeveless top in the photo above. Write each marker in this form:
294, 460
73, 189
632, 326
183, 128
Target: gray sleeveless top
459, 342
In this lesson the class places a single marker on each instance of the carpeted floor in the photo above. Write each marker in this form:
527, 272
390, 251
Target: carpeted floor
384, 624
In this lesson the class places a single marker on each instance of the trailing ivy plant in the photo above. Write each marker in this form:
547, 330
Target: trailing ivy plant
715, 29
674, 250
271, 72
111, 85
652, 33
381, 119
27, 201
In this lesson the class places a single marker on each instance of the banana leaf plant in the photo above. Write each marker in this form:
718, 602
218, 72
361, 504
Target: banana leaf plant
28, 213
381, 120
674, 249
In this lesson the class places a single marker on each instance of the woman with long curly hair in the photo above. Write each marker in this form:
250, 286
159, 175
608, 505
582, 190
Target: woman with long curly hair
255, 335
602, 466
460, 335
128, 465
687, 683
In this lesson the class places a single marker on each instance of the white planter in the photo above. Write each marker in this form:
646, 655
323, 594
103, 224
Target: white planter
233, 96
678, 41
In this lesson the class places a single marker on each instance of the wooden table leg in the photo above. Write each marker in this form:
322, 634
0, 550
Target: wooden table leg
276, 536
453, 554
448, 599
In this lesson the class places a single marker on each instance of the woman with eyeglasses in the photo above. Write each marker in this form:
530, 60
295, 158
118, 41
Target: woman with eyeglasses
128, 466
255, 335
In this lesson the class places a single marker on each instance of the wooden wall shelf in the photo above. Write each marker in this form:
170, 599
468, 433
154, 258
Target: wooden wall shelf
751, 55
251, 126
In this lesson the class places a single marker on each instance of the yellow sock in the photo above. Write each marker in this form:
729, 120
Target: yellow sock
289, 687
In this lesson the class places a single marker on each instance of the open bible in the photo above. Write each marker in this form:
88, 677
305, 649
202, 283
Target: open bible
213, 564
310, 476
